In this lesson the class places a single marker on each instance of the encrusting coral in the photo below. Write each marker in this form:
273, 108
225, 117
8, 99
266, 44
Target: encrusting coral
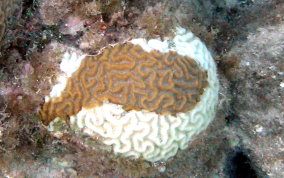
146, 98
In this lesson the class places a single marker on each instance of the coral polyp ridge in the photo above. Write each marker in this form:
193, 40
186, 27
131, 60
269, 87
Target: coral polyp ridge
145, 98
129, 76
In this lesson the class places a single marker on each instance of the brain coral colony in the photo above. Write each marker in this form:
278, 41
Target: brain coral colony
146, 99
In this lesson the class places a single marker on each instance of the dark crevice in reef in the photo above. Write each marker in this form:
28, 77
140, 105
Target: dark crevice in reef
239, 165
232, 116
224, 68
28, 5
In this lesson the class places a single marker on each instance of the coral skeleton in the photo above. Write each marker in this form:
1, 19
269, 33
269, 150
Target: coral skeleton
146, 99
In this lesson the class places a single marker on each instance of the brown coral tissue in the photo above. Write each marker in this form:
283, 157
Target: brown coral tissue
129, 76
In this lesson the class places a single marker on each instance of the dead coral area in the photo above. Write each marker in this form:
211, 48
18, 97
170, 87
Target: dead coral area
6, 9
235, 22
54, 11
75, 16
27, 71
24, 83
103, 22
253, 64
258, 98
131, 22
24, 77
248, 47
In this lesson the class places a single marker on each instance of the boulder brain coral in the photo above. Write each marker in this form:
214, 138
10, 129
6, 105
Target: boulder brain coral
145, 98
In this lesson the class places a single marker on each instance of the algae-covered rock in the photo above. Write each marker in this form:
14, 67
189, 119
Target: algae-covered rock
6, 9
258, 98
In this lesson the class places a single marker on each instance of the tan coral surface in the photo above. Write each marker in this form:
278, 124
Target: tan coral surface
125, 74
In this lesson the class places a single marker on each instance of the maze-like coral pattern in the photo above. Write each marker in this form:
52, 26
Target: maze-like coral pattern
125, 74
